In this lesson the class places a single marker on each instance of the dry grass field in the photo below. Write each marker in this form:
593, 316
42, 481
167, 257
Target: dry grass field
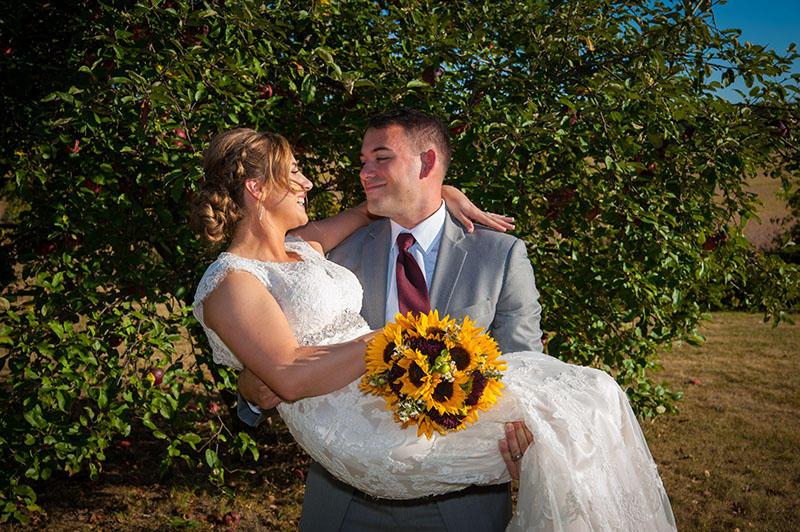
773, 213
729, 460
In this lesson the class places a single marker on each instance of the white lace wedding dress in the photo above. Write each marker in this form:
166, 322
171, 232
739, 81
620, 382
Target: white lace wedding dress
589, 467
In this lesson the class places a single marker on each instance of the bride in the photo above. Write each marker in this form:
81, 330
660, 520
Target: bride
273, 304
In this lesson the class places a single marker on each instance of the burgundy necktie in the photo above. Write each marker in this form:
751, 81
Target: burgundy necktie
412, 292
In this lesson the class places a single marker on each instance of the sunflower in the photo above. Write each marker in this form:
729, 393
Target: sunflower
379, 359
447, 397
463, 356
434, 373
417, 380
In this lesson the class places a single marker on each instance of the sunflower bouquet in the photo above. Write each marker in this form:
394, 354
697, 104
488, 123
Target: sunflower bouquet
434, 373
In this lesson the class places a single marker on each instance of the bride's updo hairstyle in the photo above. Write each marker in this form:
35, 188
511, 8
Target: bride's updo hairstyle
233, 157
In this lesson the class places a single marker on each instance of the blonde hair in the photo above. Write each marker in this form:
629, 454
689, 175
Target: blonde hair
233, 157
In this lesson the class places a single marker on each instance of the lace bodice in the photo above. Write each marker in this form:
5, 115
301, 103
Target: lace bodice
321, 300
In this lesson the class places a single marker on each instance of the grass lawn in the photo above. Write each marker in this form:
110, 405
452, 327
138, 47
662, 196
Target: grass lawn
729, 461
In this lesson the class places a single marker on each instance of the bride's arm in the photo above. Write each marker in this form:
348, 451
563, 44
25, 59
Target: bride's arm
249, 321
330, 232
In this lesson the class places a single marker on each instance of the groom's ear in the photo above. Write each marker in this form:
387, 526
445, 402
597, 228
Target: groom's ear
428, 162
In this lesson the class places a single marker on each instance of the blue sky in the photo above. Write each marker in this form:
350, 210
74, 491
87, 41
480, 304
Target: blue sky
774, 23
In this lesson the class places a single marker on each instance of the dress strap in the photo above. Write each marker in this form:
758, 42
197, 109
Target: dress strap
301, 247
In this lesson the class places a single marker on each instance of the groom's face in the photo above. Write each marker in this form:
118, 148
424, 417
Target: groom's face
390, 174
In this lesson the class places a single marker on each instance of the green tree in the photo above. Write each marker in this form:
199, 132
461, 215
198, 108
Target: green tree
594, 123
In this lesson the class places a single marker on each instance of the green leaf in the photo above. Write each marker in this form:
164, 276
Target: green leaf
212, 460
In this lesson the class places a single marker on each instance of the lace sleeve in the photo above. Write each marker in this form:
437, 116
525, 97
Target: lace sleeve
214, 275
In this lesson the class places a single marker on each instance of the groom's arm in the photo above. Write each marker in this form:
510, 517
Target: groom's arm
516, 327
516, 324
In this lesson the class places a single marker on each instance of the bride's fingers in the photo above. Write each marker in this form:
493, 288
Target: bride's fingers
514, 451
495, 221
513, 467
523, 435
498, 222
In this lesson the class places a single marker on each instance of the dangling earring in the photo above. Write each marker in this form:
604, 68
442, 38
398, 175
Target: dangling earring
260, 212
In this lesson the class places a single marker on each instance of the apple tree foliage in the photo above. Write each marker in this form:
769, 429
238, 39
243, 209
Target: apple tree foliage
596, 124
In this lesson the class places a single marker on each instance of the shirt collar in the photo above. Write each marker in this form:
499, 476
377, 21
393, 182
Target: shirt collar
425, 232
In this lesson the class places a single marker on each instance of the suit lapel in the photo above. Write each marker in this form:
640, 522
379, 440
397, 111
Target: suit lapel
449, 263
374, 264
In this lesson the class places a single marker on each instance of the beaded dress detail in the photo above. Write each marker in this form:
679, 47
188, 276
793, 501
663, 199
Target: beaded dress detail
589, 467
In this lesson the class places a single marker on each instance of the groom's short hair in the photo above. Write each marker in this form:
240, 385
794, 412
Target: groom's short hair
420, 127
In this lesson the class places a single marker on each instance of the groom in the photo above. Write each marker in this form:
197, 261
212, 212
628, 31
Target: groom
484, 274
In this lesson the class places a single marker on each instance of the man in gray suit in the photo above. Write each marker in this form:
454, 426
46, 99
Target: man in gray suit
483, 274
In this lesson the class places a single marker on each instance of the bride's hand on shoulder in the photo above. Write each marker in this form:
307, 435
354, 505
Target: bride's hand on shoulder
466, 212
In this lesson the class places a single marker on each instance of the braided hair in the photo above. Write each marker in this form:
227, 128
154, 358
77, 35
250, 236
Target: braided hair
232, 158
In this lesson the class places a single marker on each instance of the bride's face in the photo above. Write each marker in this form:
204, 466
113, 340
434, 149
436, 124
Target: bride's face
288, 207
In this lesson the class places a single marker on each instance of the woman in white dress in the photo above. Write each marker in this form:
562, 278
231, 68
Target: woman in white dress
273, 304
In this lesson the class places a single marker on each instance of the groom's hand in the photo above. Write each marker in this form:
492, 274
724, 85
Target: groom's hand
255, 391
518, 438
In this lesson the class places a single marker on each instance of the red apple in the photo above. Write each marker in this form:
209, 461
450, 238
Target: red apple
432, 74
134, 290
72, 241
155, 376
266, 92
778, 128
91, 186
475, 98
458, 128
139, 33
45, 247
190, 35
717, 239
351, 102
180, 133
231, 519
75, 147
114, 341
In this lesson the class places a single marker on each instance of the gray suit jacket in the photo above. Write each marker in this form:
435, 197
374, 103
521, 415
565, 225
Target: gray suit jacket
486, 275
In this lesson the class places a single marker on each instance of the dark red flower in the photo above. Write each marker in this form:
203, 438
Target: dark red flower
478, 385
448, 421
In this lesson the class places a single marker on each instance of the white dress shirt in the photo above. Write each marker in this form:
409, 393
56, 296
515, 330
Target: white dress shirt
428, 236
